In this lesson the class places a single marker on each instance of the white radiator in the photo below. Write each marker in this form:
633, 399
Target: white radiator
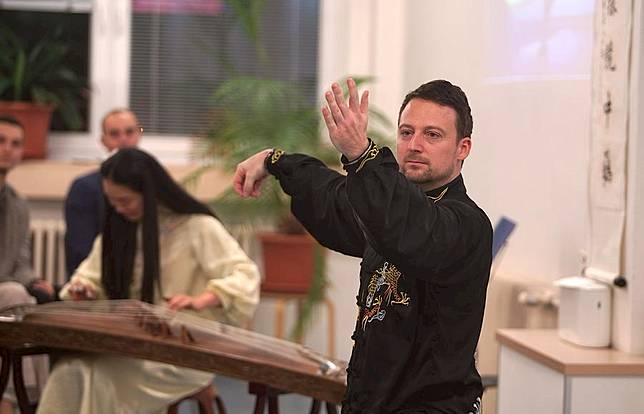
48, 250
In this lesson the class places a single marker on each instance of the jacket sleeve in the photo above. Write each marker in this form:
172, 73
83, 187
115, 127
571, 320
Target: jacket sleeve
23, 272
233, 277
88, 273
319, 201
82, 222
406, 227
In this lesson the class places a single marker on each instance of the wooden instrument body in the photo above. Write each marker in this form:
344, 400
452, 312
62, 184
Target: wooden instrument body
250, 357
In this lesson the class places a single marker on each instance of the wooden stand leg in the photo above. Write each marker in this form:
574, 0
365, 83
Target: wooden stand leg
19, 386
331, 408
4, 371
315, 407
260, 402
265, 394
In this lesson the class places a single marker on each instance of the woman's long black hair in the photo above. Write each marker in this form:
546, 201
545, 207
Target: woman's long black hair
142, 173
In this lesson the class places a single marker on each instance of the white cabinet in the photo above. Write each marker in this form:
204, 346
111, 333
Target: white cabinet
541, 374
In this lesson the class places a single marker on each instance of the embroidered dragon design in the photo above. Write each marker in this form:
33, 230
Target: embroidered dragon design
377, 299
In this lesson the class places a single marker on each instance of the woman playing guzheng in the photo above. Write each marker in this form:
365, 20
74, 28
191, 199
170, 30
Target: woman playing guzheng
161, 246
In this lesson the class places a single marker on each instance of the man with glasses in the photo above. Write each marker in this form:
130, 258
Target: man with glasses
84, 202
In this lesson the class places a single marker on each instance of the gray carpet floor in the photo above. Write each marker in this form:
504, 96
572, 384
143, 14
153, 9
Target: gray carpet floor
238, 401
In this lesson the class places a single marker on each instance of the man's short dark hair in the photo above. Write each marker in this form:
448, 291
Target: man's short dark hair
8, 119
444, 93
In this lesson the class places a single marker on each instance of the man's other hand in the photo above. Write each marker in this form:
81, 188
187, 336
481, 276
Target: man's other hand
250, 174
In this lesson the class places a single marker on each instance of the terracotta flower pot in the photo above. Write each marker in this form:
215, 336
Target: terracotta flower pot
288, 262
36, 119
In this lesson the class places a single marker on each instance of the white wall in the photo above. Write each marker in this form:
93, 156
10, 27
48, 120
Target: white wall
531, 132
530, 138
629, 315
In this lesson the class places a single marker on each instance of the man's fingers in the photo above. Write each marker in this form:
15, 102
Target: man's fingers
328, 120
257, 188
364, 102
336, 113
238, 180
338, 95
247, 187
251, 184
250, 174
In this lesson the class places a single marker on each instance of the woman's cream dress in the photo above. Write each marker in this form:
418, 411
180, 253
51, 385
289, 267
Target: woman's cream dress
196, 254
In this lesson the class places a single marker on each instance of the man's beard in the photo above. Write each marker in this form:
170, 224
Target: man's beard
416, 176
424, 178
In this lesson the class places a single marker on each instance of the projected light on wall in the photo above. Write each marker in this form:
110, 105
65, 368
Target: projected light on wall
540, 38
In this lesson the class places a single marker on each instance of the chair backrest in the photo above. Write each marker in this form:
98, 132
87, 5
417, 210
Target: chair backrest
502, 231
48, 249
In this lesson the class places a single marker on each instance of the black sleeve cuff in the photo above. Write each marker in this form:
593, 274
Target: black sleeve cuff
356, 165
270, 162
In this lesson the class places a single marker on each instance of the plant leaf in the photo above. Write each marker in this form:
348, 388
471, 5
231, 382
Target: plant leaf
19, 75
5, 84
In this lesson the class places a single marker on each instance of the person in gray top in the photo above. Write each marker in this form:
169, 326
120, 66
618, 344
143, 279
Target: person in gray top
18, 285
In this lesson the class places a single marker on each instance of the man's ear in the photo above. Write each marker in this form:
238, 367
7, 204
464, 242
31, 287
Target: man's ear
464, 147
104, 142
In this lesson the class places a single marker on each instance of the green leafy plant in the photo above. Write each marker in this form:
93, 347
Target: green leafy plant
38, 72
252, 113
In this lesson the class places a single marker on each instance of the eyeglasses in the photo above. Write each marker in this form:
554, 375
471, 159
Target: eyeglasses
129, 132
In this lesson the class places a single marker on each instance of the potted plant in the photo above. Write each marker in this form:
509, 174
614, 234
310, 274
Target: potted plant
35, 80
250, 114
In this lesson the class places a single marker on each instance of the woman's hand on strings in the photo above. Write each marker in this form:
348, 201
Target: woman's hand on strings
80, 291
203, 301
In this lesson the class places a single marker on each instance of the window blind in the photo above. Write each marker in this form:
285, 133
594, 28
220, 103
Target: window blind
182, 50
77, 6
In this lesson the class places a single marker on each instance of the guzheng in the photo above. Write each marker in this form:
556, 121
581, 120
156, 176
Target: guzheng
136, 329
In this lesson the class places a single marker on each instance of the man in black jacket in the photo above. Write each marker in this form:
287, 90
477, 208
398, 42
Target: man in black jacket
425, 245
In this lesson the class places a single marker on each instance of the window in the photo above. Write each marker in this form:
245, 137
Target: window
540, 38
181, 50
163, 58
32, 28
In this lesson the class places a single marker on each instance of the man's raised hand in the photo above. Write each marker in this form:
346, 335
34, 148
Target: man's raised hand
347, 125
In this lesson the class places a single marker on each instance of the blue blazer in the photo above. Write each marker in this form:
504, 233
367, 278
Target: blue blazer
83, 218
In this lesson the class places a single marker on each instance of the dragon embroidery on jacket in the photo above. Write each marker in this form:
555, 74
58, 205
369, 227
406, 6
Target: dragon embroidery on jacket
378, 299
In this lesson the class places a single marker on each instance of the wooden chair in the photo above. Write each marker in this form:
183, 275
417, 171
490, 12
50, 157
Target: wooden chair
267, 397
204, 398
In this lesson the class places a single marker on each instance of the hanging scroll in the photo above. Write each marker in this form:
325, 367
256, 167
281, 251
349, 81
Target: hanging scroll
609, 133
